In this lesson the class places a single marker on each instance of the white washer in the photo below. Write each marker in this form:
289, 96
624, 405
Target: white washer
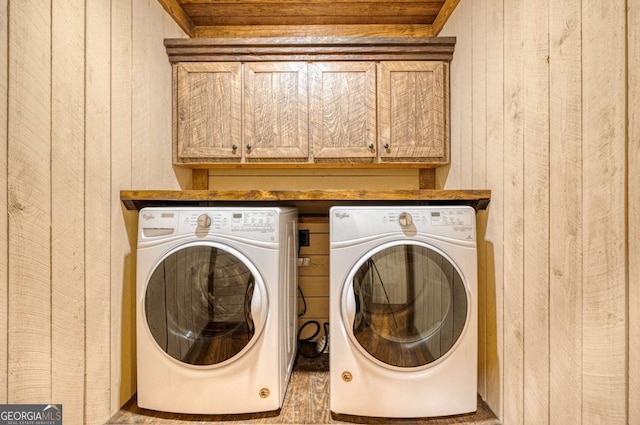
403, 311
216, 308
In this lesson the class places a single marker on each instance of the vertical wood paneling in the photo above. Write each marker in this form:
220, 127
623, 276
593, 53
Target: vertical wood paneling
536, 211
565, 225
67, 207
633, 192
464, 116
4, 52
151, 101
143, 108
514, 221
603, 181
459, 25
123, 225
495, 215
312, 179
97, 194
479, 171
29, 202
479, 94
65, 153
565, 164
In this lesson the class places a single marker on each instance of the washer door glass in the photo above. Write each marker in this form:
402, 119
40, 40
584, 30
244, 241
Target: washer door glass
410, 305
200, 304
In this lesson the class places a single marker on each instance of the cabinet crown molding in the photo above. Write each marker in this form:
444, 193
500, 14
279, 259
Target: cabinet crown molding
309, 49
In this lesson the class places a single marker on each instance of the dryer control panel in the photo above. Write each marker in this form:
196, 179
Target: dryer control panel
349, 223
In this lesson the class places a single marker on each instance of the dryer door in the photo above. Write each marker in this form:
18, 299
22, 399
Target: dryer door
405, 305
205, 304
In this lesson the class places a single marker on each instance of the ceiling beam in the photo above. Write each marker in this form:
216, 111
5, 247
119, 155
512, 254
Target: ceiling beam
176, 11
446, 11
241, 31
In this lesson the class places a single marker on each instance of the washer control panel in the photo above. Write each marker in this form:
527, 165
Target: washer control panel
254, 221
353, 223
458, 220
257, 225
253, 224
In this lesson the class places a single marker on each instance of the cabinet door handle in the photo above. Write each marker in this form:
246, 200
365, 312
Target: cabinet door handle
371, 146
248, 146
234, 147
386, 145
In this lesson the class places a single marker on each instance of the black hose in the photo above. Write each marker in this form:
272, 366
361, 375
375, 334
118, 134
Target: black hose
317, 331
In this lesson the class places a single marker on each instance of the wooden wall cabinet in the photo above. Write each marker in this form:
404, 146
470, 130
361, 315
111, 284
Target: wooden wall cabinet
234, 112
275, 111
413, 110
209, 111
342, 106
295, 101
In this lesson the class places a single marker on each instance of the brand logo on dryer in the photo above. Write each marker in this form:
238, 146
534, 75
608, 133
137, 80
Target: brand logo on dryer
341, 215
148, 216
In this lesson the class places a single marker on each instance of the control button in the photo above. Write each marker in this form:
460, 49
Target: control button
405, 219
204, 221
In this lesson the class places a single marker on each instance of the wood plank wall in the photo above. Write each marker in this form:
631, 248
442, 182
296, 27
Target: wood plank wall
604, 315
633, 191
66, 146
85, 111
545, 103
28, 197
4, 239
565, 303
313, 279
97, 194
310, 179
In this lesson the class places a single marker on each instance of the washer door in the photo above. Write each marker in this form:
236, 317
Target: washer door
205, 304
405, 305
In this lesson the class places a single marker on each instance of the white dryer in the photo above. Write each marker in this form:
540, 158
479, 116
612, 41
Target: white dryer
216, 308
403, 311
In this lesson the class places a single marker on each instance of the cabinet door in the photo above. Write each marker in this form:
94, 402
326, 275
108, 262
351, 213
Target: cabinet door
275, 111
342, 109
209, 110
413, 111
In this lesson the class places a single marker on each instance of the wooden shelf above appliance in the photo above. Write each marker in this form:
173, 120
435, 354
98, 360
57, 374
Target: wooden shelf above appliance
307, 201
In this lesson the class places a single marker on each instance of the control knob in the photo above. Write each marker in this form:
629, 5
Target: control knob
204, 221
405, 219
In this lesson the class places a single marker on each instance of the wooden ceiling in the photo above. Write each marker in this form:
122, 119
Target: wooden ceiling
317, 18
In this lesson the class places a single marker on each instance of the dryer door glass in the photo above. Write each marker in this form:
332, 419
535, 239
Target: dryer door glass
198, 305
411, 305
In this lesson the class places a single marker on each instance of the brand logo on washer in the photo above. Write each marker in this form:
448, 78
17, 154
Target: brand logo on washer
148, 216
342, 215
